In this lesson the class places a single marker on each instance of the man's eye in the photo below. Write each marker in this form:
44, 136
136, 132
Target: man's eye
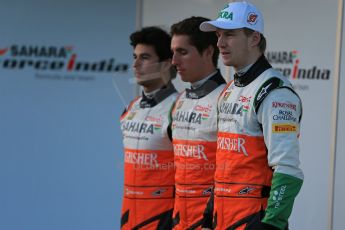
183, 52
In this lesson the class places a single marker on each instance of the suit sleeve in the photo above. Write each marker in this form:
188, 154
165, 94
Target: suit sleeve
279, 115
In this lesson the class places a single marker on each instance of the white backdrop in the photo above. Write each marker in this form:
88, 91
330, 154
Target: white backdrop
60, 142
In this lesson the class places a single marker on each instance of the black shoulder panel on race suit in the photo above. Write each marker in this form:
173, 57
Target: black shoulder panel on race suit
266, 88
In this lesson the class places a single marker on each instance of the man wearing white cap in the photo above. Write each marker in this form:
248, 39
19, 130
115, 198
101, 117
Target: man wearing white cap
257, 176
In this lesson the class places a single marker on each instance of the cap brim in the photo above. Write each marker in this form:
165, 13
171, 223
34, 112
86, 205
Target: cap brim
214, 25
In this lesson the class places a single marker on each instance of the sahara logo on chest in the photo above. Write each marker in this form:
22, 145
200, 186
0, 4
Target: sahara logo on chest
231, 108
137, 127
190, 117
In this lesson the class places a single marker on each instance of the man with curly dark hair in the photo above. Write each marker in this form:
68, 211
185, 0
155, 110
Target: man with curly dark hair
148, 152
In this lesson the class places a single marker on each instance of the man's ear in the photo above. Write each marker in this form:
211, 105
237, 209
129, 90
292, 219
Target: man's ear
166, 64
209, 51
168, 70
255, 38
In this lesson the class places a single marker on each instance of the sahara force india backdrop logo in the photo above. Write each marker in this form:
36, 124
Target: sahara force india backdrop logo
291, 66
54, 59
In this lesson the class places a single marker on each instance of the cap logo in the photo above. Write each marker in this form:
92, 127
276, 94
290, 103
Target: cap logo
252, 18
225, 15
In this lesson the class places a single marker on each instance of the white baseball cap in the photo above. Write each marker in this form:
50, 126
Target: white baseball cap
236, 15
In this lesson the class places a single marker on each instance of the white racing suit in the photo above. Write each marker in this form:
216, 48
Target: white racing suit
194, 137
257, 175
149, 162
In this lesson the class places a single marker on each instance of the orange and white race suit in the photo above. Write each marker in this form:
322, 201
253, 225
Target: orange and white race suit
194, 131
258, 129
148, 162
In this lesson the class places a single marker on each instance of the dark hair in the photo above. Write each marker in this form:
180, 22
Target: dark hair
197, 38
156, 37
262, 43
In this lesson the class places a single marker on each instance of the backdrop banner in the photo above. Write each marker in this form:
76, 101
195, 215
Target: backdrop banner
64, 81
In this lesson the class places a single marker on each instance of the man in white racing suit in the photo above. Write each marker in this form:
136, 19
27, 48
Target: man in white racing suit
257, 176
194, 126
146, 127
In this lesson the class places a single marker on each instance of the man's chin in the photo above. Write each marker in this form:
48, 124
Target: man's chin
145, 83
227, 62
184, 78
141, 81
